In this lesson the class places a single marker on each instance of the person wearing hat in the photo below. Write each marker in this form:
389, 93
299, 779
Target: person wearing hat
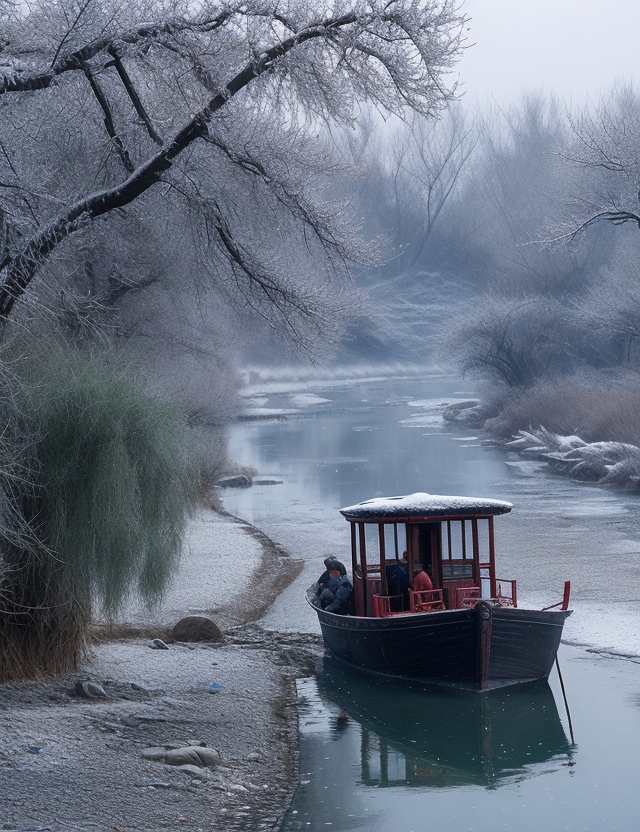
334, 591
330, 563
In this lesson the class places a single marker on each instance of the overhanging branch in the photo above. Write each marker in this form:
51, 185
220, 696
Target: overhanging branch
133, 95
20, 270
24, 81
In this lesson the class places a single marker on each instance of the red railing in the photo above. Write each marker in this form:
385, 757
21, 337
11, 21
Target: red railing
564, 604
382, 606
467, 596
425, 600
506, 593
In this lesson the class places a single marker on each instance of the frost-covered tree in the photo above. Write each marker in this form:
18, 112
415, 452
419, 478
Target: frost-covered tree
147, 150
598, 188
603, 167
514, 342
412, 169
610, 309
518, 171
204, 125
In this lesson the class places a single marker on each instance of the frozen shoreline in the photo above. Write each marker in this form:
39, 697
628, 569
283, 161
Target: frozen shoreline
229, 570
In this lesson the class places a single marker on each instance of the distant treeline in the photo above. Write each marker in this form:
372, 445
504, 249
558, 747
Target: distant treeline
513, 246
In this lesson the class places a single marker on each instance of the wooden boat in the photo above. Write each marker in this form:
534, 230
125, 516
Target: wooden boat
468, 630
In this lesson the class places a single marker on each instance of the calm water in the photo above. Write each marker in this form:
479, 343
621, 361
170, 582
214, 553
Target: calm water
385, 756
412, 759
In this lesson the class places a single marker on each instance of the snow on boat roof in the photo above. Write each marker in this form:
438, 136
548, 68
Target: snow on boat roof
425, 505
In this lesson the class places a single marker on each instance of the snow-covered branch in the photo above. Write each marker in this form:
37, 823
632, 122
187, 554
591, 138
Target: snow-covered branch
170, 100
602, 169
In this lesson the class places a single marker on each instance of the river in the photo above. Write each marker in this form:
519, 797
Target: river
382, 765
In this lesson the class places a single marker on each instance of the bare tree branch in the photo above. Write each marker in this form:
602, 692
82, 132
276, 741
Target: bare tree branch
20, 269
30, 81
133, 95
108, 119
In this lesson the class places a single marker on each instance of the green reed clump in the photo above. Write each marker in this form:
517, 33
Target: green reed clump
106, 490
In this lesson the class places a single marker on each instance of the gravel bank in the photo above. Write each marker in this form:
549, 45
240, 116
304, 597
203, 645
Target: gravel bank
68, 762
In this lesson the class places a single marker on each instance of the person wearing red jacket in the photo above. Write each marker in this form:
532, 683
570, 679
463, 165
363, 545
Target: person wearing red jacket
422, 581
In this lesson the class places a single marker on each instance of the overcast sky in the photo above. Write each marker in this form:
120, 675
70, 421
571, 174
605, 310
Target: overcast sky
576, 48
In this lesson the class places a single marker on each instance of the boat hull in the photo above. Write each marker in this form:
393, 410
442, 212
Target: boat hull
484, 647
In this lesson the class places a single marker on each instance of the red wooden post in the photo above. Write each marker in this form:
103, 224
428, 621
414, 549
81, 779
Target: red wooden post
492, 560
363, 566
358, 583
381, 546
567, 593
476, 551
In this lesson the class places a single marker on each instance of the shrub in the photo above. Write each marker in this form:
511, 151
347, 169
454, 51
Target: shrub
104, 496
512, 342
594, 407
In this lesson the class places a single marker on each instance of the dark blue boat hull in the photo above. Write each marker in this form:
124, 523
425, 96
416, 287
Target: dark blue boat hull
483, 647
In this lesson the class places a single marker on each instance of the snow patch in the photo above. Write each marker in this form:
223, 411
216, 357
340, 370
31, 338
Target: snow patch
307, 400
267, 412
423, 504
605, 463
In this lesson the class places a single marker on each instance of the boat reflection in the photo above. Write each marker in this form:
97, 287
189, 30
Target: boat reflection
441, 737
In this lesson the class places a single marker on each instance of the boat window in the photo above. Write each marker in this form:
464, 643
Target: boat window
457, 549
457, 569
390, 552
372, 542
457, 540
485, 582
483, 540
395, 541
467, 538
403, 545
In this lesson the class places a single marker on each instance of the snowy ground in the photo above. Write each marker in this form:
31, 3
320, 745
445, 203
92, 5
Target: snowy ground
219, 558
71, 764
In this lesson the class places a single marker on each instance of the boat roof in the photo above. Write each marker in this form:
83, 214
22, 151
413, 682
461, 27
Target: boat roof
427, 506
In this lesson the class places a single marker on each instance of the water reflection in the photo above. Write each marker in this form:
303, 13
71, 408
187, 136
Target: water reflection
441, 737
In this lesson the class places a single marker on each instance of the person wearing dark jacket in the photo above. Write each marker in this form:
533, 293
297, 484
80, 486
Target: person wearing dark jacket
330, 563
341, 590
336, 593
398, 576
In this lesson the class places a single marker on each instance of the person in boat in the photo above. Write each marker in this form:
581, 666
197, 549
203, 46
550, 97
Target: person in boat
398, 576
337, 595
398, 579
421, 580
330, 564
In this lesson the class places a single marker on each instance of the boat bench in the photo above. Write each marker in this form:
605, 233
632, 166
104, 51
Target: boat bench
468, 596
428, 600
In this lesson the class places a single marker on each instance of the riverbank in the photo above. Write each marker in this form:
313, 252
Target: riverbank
71, 762
608, 463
